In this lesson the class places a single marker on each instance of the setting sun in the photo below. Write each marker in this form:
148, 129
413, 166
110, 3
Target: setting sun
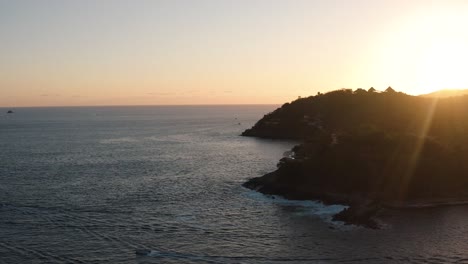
443, 66
425, 50
444, 55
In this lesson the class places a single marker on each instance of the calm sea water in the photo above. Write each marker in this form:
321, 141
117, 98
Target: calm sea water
94, 185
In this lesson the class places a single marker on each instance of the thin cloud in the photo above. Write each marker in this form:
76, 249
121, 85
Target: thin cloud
161, 94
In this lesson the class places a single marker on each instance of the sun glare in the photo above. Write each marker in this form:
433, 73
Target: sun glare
443, 54
443, 67
426, 52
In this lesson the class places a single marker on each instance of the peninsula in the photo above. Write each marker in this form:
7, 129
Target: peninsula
369, 150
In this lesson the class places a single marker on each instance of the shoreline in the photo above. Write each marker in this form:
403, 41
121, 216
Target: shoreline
361, 211
421, 205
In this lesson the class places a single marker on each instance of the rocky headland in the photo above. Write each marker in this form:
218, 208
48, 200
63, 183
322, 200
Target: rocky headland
369, 150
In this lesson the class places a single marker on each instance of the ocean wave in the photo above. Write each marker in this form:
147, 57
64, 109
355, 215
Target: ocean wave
223, 259
305, 207
118, 140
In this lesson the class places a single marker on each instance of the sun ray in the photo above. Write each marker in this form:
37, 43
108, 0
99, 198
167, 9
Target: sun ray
419, 145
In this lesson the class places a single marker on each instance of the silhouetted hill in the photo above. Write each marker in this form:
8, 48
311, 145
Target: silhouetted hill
346, 110
364, 147
447, 93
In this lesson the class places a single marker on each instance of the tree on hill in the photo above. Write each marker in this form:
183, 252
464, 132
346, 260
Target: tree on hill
390, 90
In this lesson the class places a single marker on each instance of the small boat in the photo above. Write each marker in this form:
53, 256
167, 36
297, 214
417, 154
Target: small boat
10, 112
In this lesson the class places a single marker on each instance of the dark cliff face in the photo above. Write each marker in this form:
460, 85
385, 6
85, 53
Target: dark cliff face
375, 166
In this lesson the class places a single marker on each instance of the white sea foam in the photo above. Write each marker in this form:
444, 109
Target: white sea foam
118, 140
306, 207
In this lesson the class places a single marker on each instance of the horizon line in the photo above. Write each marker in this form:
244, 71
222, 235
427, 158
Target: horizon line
161, 105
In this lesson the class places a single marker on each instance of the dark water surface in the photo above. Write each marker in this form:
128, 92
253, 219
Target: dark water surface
94, 185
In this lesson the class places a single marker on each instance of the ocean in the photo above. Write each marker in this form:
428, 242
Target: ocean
162, 184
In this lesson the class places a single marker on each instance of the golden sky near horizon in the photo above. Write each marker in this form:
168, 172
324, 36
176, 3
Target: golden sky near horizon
60, 53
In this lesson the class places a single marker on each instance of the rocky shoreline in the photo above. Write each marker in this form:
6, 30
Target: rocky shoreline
360, 212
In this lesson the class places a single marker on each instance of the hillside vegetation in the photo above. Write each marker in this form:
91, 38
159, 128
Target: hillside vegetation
345, 111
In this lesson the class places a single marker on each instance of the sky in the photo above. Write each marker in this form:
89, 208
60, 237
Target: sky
136, 52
